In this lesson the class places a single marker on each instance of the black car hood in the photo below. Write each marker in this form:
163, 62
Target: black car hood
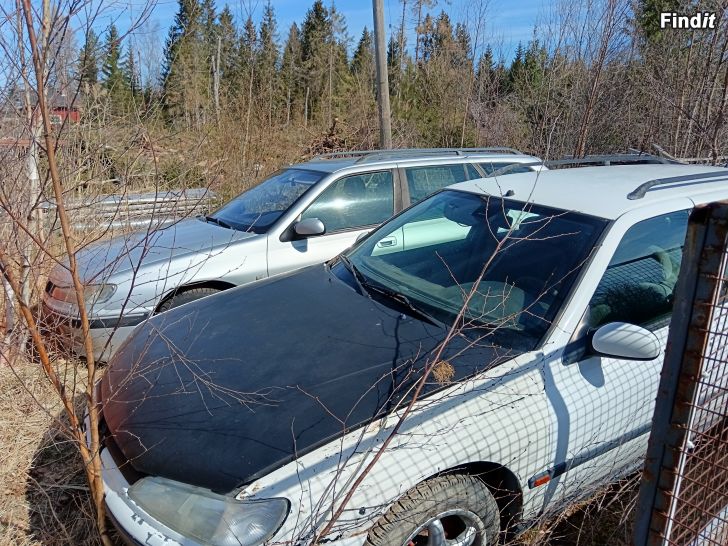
221, 391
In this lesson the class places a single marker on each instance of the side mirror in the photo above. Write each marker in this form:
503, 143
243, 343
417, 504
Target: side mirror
309, 227
623, 340
361, 236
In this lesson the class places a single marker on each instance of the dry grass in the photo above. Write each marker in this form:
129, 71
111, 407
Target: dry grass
44, 498
604, 520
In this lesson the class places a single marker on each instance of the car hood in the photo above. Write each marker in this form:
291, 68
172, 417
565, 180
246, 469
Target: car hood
127, 252
222, 391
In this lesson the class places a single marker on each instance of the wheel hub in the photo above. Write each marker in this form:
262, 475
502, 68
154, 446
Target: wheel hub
450, 528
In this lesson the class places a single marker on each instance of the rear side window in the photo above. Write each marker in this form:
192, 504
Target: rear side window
490, 168
639, 282
422, 181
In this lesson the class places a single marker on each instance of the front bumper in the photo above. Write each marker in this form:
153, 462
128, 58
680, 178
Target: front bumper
137, 528
106, 334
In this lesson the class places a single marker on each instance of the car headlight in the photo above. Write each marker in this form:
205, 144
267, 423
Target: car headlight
92, 293
98, 293
206, 516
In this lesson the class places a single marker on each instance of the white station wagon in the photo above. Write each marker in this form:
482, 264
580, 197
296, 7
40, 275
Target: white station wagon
249, 417
301, 215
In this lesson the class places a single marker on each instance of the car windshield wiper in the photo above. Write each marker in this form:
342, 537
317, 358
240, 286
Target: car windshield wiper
405, 301
221, 223
358, 277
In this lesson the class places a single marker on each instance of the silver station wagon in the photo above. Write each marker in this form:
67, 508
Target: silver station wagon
301, 215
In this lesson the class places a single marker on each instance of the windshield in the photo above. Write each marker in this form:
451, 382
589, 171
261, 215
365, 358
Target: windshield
508, 264
258, 208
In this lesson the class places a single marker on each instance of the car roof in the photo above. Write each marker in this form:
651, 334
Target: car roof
603, 191
364, 163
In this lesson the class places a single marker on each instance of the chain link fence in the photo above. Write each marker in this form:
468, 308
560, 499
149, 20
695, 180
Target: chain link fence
683, 499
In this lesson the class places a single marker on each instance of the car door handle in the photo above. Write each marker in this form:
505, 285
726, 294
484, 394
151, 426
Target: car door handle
389, 241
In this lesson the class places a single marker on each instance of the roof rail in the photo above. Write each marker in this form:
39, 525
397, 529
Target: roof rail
347, 153
684, 180
370, 155
605, 160
609, 159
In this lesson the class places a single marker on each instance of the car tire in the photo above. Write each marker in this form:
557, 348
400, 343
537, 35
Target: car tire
186, 296
463, 506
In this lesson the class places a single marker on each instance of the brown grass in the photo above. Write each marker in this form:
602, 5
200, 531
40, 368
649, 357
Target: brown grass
44, 498
604, 520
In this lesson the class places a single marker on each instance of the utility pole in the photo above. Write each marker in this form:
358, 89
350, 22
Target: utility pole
385, 119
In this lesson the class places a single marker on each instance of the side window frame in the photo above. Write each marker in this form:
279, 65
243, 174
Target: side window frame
396, 200
659, 321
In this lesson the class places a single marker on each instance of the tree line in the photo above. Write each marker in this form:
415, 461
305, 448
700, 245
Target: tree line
596, 76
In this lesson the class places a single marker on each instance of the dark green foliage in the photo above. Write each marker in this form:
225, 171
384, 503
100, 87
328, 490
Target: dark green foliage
268, 47
647, 20
363, 60
131, 73
316, 32
228, 36
88, 59
112, 73
186, 71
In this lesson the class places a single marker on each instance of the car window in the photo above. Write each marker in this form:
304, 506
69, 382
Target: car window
471, 172
422, 181
257, 209
510, 263
490, 167
640, 280
355, 201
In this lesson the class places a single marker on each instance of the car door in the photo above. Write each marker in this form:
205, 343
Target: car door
603, 405
349, 207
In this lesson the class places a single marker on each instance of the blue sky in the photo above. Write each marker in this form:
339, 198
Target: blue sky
506, 21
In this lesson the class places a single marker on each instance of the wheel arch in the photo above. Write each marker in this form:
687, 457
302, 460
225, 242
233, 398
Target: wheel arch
502, 483
212, 283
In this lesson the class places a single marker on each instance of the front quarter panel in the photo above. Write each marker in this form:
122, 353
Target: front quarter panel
501, 416
237, 263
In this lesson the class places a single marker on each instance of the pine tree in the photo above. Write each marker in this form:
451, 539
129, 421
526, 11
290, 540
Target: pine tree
462, 48
316, 40
515, 72
247, 51
363, 60
534, 63
316, 31
290, 69
111, 70
486, 81
268, 48
88, 59
186, 70
229, 39
425, 40
208, 22
131, 72
393, 64
338, 76
268, 59
442, 38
